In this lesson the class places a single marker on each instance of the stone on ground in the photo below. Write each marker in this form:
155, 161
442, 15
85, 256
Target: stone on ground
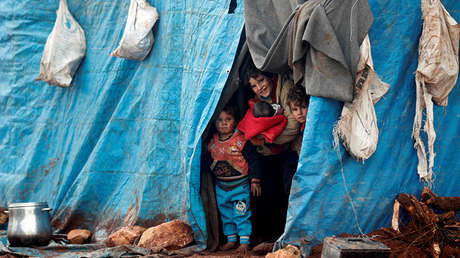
125, 236
171, 235
78, 236
3, 215
289, 251
263, 248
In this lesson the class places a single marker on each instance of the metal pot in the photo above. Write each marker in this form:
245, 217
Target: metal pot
29, 224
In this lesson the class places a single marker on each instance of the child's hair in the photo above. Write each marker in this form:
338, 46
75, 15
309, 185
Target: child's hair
231, 110
253, 72
263, 109
297, 96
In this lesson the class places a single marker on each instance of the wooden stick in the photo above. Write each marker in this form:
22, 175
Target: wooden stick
395, 219
440, 203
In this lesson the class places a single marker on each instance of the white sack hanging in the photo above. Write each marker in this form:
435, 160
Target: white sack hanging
357, 126
137, 39
64, 50
435, 77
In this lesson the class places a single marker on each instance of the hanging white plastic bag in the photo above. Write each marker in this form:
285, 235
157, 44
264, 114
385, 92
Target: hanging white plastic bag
435, 77
64, 50
137, 39
357, 126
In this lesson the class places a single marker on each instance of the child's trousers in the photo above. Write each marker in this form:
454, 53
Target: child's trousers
234, 210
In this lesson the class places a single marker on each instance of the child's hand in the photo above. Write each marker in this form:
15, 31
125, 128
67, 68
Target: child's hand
256, 190
257, 140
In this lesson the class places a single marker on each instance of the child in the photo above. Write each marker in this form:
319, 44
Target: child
265, 109
236, 167
273, 135
263, 123
298, 104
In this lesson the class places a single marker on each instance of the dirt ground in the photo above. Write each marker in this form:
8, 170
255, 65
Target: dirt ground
225, 254
258, 251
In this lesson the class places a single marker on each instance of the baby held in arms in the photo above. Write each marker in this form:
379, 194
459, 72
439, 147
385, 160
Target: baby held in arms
265, 109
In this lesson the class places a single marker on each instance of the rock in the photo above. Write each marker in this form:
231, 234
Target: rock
125, 236
289, 251
78, 236
263, 248
171, 235
3, 215
7, 256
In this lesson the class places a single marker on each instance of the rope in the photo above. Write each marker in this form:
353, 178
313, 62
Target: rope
339, 155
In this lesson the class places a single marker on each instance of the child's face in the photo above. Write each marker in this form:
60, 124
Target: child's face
261, 85
225, 123
299, 112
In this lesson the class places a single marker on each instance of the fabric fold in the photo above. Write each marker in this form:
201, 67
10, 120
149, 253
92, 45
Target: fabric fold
319, 40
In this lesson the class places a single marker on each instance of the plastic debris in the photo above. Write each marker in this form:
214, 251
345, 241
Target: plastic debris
435, 77
137, 39
357, 126
64, 50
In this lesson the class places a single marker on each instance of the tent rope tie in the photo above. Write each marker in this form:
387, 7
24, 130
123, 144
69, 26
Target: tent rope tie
339, 156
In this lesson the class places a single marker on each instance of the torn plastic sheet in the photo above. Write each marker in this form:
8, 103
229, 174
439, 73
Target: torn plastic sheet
435, 77
357, 126
64, 50
137, 39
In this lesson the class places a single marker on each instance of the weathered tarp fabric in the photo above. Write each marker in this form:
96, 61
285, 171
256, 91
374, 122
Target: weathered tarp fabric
121, 145
331, 192
319, 39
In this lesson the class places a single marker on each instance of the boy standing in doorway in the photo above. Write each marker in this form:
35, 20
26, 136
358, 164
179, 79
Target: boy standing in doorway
236, 167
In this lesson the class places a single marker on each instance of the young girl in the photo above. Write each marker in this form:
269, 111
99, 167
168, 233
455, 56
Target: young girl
270, 209
236, 167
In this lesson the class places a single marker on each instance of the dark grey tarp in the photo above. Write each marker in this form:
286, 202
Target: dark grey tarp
318, 39
267, 24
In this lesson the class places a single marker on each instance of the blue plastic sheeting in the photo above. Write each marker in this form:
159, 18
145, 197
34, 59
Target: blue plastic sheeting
120, 146
60, 249
320, 203
70, 251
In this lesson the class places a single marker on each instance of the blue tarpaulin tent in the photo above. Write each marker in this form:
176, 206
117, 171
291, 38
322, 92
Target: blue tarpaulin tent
331, 192
122, 145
